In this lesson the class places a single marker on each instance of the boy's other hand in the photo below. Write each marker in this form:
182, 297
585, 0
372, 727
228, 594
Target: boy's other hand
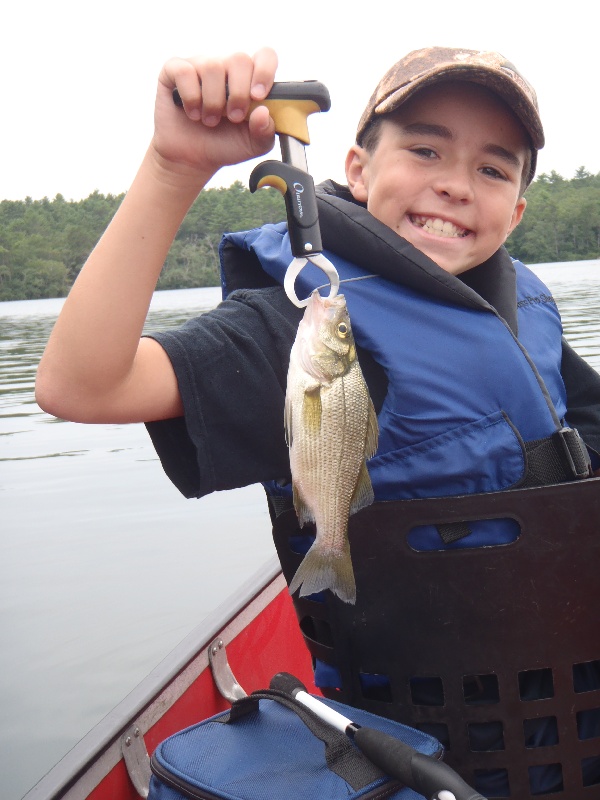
213, 129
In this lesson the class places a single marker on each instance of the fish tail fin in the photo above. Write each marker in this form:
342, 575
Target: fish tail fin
326, 569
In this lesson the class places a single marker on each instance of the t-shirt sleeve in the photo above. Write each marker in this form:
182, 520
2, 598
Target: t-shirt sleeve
231, 366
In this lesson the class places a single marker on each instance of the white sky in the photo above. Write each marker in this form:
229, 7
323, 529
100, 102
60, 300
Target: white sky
78, 78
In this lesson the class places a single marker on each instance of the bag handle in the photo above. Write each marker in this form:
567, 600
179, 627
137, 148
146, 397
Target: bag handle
341, 756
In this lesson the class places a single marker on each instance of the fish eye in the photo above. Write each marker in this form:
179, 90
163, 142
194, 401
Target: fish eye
342, 330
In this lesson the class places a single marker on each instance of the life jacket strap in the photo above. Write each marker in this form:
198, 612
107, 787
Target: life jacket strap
556, 459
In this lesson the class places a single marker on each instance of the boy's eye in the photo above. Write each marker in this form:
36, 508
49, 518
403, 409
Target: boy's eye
424, 152
492, 172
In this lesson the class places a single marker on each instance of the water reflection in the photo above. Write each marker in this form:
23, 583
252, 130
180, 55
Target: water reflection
576, 289
25, 326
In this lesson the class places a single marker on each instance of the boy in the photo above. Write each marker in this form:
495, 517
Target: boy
460, 347
96, 368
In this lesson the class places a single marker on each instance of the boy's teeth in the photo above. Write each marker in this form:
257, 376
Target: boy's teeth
438, 226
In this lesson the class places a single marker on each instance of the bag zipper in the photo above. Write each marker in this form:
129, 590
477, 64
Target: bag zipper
181, 785
194, 793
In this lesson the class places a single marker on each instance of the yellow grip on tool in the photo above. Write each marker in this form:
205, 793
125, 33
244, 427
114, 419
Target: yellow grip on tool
290, 116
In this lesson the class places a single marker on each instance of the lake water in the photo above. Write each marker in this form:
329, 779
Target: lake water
104, 567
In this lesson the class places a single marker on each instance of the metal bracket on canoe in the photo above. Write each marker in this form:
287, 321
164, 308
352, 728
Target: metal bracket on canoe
136, 759
223, 677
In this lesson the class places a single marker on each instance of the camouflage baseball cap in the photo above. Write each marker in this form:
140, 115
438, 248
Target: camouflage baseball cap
433, 64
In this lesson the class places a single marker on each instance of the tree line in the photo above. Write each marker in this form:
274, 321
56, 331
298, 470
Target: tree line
561, 221
44, 243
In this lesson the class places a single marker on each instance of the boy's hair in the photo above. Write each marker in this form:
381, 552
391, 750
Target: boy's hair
434, 64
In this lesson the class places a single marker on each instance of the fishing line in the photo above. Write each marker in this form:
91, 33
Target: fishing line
348, 280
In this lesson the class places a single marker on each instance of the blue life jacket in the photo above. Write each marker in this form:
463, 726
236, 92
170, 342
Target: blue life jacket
464, 393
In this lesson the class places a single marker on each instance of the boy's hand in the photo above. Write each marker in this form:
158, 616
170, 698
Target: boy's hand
211, 130
95, 367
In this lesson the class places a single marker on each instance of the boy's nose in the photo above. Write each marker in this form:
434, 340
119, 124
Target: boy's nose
455, 185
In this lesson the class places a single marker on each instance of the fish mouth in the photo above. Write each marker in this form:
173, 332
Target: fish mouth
438, 226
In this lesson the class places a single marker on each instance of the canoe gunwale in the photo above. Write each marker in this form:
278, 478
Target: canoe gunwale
96, 754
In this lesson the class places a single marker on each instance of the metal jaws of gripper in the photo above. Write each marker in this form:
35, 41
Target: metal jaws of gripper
295, 268
290, 176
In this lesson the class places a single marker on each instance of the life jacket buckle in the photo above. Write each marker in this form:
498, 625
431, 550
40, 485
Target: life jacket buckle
573, 452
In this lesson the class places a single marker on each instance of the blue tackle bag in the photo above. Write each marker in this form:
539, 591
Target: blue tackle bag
271, 747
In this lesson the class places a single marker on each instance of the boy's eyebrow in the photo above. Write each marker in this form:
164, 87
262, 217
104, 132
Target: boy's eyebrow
503, 153
428, 129
441, 131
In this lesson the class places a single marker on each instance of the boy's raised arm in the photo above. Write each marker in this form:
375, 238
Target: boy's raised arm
95, 367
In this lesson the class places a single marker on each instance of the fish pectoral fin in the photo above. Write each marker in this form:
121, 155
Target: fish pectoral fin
372, 432
363, 491
311, 409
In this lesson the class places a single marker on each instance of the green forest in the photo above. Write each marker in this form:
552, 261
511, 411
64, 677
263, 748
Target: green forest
44, 243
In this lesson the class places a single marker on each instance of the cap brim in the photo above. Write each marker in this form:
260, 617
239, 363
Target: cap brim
504, 86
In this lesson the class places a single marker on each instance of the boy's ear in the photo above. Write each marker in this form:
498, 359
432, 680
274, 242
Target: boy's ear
517, 214
357, 173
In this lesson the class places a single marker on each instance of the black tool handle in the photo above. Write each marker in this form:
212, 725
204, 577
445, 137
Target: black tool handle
422, 773
419, 772
290, 103
298, 189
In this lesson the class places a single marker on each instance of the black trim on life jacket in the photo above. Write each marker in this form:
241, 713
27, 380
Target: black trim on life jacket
349, 230
490, 286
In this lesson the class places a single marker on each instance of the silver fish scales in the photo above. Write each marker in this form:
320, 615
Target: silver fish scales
331, 429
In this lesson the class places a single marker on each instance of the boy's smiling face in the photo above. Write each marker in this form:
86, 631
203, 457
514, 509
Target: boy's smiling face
446, 173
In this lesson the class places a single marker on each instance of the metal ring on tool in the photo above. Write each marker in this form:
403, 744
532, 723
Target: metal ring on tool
296, 267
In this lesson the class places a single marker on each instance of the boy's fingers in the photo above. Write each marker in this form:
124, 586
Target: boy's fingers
262, 128
265, 66
239, 78
213, 76
181, 73
213, 88
249, 78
